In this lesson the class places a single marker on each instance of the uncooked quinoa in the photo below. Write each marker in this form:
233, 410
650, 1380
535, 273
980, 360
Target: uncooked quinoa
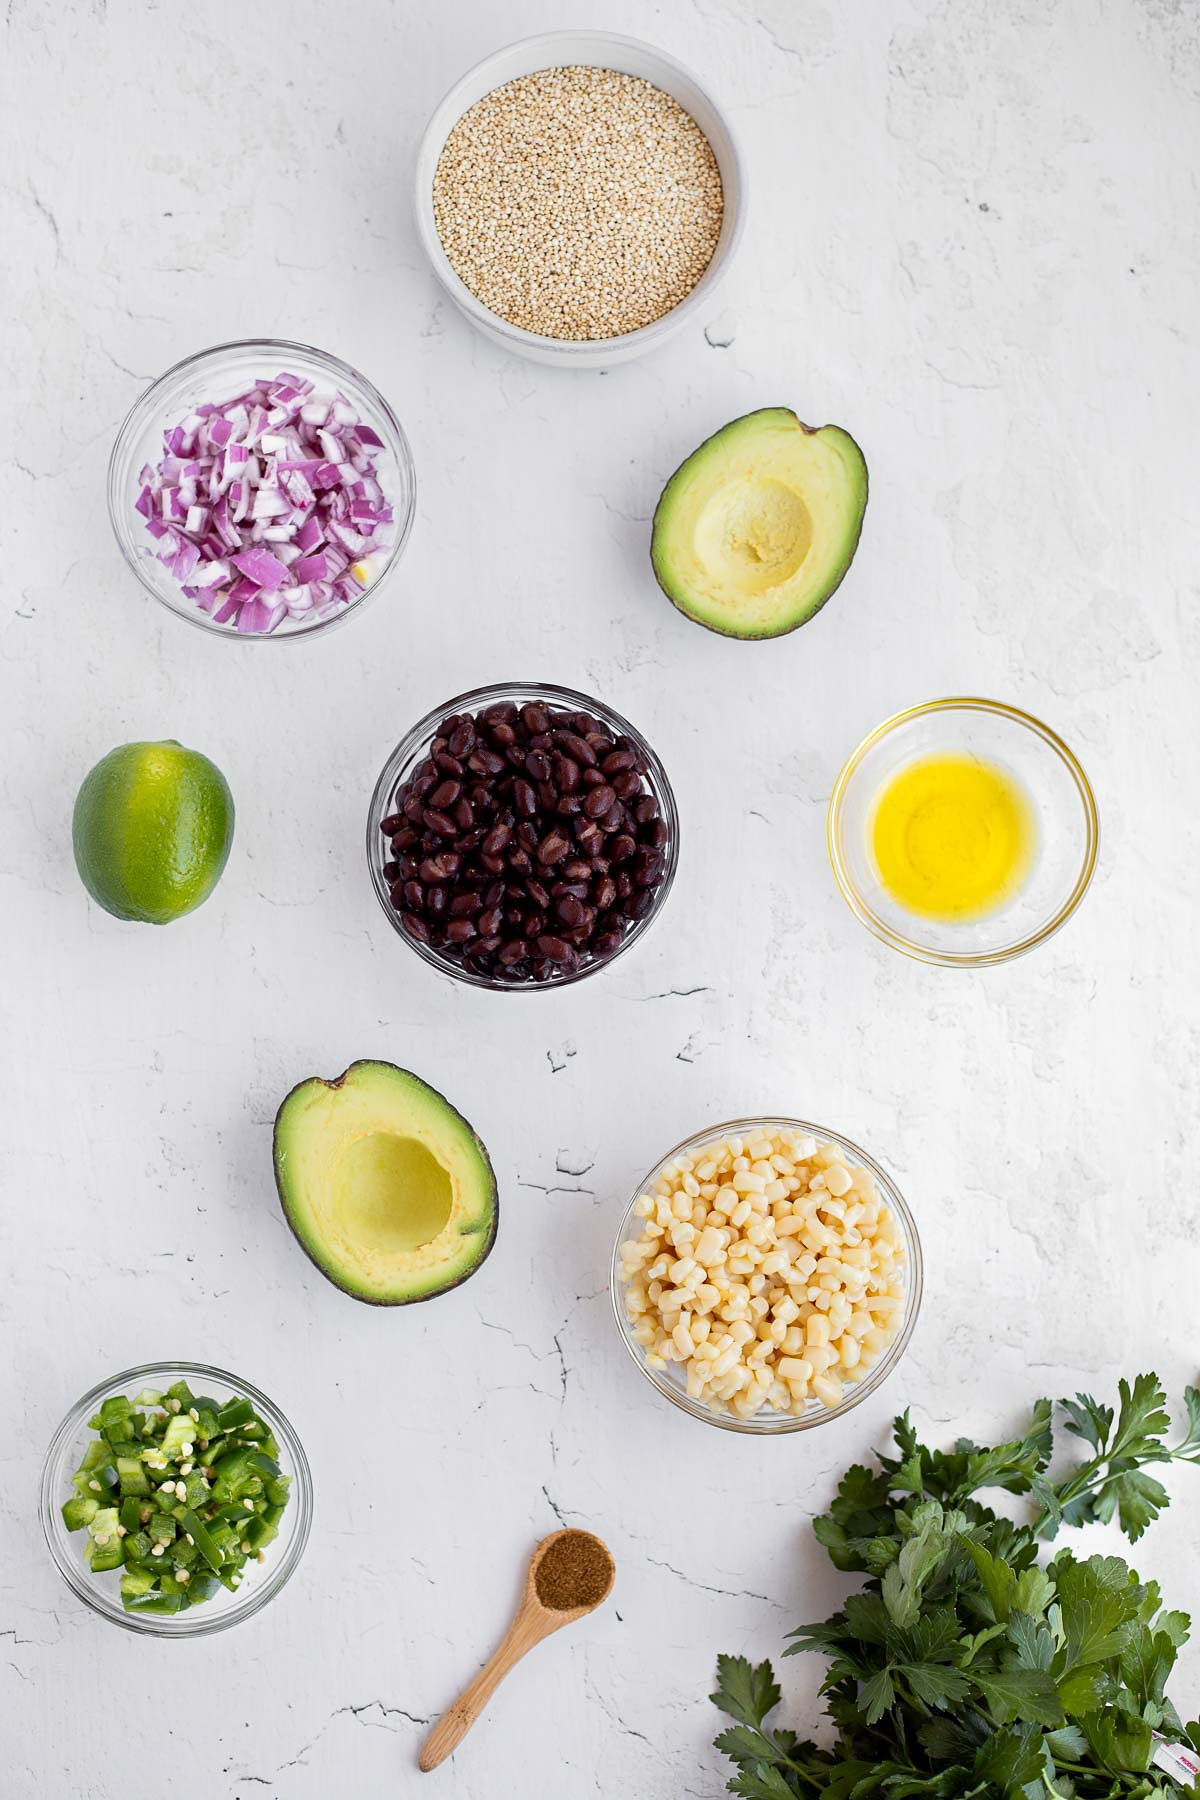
578, 202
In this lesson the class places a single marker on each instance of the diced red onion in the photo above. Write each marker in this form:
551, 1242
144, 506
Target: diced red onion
277, 466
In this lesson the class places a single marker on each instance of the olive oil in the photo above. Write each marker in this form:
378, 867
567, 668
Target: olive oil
953, 837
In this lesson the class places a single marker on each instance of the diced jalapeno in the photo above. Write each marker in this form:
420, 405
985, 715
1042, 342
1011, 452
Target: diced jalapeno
143, 1482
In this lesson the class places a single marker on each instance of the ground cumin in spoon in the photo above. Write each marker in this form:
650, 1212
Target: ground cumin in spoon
575, 1571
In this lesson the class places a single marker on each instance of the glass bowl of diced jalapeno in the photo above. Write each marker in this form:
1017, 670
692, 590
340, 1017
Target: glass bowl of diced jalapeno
176, 1499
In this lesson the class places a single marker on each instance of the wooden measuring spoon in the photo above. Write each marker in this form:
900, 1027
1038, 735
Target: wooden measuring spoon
534, 1621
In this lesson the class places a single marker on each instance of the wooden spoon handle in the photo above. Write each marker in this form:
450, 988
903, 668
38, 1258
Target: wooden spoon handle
454, 1724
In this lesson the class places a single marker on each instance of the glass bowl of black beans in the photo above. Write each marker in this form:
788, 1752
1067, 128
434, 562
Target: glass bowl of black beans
522, 836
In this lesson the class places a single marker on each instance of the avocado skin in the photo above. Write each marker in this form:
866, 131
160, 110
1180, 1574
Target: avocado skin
278, 1155
659, 527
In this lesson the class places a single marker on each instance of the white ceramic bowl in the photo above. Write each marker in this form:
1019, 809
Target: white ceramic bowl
593, 49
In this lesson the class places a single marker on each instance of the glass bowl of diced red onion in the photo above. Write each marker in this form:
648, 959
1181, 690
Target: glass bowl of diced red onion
262, 490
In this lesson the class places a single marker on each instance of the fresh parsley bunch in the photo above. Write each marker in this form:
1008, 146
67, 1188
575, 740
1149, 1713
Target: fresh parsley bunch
965, 1668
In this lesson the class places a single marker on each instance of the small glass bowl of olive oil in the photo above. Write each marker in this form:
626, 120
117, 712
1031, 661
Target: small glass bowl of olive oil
963, 832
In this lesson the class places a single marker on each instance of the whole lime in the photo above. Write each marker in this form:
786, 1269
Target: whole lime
152, 829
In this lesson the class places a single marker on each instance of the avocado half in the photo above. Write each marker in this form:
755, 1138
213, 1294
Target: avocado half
386, 1186
757, 528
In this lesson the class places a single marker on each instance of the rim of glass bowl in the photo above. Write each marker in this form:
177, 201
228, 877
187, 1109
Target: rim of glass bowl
861, 907
134, 427
450, 109
413, 746
775, 1424
197, 1622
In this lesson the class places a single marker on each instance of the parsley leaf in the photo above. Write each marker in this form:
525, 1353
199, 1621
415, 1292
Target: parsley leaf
877, 1695
1021, 1694
1143, 1417
746, 1693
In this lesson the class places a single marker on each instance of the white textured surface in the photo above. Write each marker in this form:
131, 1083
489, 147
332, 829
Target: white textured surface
973, 242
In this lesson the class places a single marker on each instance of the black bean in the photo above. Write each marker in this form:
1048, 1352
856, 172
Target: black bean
533, 924
436, 900
568, 806
552, 848
490, 921
535, 718
464, 816
647, 868
462, 739
449, 765
570, 910
639, 904
439, 822
537, 894
554, 950
524, 799
392, 824
645, 809
575, 870
538, 765
599, 801
578, 888
655, 834
464, 906
604, 893
460, 931
527, 835
414, 809
422, 785
493, 893
605, 942
627, 785
520, 861
577, 747
485, 762
503, 734
391, 872
566, 772
495, 865
624, 881
514, 951
496, 839
415, 927
621, 848
617, 761
404, 839
414, 896
443, 866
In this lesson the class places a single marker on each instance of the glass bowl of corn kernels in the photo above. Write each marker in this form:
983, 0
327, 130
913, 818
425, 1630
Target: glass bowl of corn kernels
767, 1276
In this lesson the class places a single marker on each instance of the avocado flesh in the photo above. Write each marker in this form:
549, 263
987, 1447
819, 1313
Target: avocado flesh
757, 528
386, 1186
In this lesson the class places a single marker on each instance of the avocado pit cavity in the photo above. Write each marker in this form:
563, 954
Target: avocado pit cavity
394, 1194
754, 534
